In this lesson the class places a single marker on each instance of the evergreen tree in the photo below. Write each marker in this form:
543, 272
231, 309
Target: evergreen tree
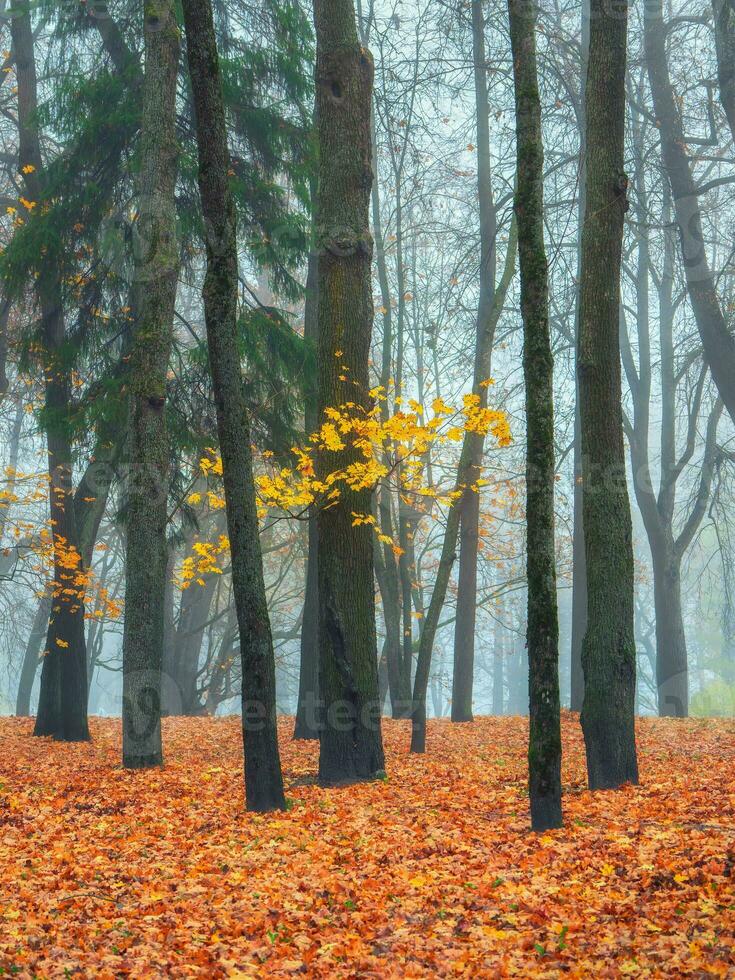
62, 708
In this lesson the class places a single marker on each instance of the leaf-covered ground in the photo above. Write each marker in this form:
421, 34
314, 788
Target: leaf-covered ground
432, 872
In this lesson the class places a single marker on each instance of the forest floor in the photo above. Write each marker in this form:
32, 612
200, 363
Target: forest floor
432, 872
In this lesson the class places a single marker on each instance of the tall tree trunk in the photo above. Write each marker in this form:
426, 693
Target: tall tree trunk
718, 343
579, 557
350, 738
306, 725
544, 747
469, 506
608, 653
263, 778
156, 273
62, 710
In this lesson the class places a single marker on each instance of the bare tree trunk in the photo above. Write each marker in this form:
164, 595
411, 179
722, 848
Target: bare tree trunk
608, 653
148, 449
544, 747
263, 777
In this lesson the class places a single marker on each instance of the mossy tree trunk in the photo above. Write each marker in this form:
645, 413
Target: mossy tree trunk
544, 748
263, 778
608, 651
62, 709
156, 276
351, 745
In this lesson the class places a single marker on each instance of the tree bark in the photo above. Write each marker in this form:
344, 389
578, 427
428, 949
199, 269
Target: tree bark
351, 745
608, 653
156, 271
544, 747
263, 778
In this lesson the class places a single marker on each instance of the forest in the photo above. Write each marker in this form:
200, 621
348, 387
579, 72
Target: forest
367, 488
